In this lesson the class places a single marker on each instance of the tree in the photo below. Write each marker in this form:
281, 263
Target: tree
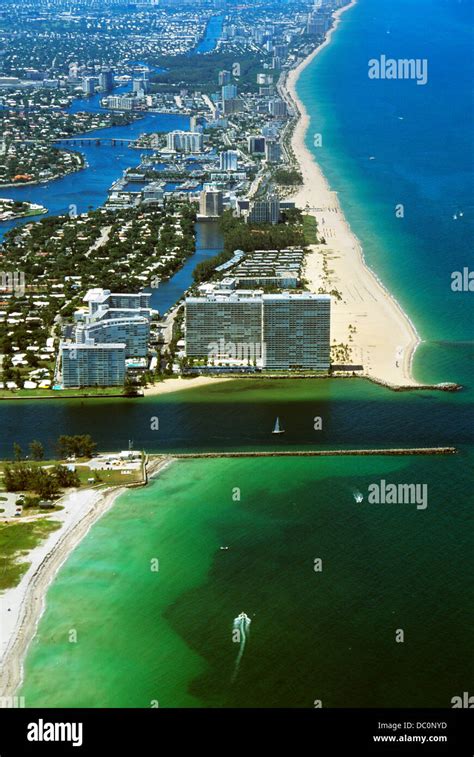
129, 388
78, 446
17, 451
65, 477
45, 485
36, 449
11, 480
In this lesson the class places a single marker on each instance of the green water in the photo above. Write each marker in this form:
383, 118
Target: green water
166, 636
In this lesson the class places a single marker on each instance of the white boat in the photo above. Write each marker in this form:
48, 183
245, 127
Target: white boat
242, 617
278, 429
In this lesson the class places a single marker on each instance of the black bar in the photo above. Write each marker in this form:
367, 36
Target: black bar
319, 731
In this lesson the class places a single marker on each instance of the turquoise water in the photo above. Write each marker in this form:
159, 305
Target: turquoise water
421, 142
167, 636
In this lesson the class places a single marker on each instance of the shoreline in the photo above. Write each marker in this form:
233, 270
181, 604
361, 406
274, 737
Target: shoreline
33, 211
386, 339
180, 384
23, 605
38, 182
20, 184
168, 386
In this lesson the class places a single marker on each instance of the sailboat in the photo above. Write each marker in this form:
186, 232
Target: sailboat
278, 429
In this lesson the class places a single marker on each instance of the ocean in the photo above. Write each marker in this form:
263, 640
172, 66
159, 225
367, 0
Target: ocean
391, 143
166, 635
329, 582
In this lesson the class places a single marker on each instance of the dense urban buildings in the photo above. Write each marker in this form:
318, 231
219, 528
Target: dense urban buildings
225, 157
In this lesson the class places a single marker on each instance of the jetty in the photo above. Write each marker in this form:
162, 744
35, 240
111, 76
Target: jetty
400, 451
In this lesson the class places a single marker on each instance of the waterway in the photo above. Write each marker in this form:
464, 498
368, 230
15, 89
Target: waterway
87, 189
208, 244
211, 36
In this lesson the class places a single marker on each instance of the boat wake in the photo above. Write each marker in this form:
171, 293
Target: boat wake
240, 633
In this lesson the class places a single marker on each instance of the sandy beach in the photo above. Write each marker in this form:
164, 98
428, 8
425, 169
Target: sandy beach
381, 338
22, 606
179, 384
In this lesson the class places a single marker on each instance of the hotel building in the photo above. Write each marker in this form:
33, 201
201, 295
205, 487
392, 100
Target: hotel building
288, 331
222, 318
114, 328
229, 160
93, 365
211, 203
264, 211
296, 330
184, 141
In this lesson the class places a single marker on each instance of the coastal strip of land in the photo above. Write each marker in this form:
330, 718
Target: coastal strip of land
179, 384
166, 386
384, 339
21, 606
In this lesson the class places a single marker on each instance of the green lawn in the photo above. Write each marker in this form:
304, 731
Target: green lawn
16, 540
310, 228
7, 394
108, 477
